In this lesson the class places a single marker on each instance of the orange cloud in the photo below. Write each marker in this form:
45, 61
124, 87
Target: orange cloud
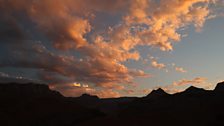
107, 94
195, 81
155, 64
180, 69
76, 91
164, 18
77, 84
146, 91
181, 85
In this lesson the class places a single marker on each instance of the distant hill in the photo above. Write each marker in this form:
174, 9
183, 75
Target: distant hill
36, 105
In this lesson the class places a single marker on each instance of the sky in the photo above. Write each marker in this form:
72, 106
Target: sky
112, 48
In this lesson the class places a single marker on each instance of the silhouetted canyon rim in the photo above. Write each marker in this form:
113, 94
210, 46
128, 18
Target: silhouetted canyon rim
32, 104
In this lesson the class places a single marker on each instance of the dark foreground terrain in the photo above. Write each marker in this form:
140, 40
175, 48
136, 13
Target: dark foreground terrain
37, 105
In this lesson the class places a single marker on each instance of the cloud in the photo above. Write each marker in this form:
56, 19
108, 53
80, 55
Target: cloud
6, 78
182, 84
146, 91
95, 70
180, 69
76, 91
157, 65
77, 84
61, 40
108, 93
67, 22
195, 81
129, 91
164, 18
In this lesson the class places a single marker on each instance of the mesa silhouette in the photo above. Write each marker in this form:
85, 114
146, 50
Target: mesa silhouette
36, 105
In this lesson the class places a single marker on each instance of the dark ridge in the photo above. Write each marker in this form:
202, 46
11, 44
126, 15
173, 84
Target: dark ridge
88, 96
219, 87
121, 99
35, 105
157, 93
194, 90
27, 90
87, 100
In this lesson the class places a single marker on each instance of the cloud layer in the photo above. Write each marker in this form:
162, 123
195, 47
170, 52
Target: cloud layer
71, 40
